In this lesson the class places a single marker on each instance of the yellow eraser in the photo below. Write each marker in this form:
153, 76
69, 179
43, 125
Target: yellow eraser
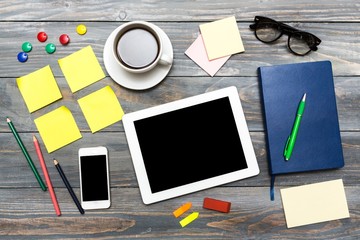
189, 219
182, 209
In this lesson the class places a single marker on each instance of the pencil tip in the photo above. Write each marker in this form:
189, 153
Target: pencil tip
8, 119
34, 138
304, 97
56, 162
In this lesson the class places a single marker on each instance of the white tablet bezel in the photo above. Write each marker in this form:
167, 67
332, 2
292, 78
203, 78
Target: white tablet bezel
139, 166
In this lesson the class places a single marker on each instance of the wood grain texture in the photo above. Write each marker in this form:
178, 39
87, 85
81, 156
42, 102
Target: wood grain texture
178, 10
339, 46
171, 89
252, 216
26, 212
16, 173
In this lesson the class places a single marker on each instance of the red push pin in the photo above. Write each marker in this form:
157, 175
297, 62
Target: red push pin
42, 36
64, 39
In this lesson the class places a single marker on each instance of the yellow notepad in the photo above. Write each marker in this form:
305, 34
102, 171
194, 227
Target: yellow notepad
81, 69
39, 88
314, 203
57, 128
221, 38
101, 108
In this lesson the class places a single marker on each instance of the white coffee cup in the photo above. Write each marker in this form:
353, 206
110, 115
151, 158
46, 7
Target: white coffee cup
138, 47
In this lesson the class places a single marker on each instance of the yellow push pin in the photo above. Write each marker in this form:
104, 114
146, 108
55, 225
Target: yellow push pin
81, 29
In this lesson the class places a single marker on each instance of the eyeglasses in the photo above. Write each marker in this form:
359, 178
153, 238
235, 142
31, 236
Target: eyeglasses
268, 30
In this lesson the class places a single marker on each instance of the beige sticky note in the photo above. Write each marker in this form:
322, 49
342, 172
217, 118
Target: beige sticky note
221, 38
101, 108
81, 69
57, 128
39, 88
314, 203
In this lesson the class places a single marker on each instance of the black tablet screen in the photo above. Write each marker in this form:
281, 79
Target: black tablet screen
190, 144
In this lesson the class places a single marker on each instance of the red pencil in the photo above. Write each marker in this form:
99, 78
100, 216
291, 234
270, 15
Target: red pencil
47, 177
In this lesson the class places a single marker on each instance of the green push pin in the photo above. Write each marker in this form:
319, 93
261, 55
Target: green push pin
50, 48
26, 47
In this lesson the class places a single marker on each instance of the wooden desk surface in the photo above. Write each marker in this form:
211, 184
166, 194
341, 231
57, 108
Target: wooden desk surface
27, 212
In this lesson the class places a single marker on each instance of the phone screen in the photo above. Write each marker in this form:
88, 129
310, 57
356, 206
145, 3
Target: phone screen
94, 178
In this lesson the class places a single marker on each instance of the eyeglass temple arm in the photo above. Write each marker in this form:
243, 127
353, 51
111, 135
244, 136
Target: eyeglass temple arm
253, 26
293, 30
289, 28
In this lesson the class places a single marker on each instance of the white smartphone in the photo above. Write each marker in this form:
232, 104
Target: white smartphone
94, 178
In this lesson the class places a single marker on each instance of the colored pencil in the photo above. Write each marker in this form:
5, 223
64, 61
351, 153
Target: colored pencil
47, 177
68, 186
26, 154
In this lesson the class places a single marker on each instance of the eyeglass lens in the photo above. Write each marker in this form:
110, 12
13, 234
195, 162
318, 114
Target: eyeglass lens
267, 32
298, 45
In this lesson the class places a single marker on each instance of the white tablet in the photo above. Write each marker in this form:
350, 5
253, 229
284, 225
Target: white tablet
190, 145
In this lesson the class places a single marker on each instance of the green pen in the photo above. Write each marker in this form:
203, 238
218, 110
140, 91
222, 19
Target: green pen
292, 138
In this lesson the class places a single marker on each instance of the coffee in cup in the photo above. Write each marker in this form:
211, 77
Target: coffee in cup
138, 47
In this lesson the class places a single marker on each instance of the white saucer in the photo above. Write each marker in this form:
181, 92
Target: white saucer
137, 81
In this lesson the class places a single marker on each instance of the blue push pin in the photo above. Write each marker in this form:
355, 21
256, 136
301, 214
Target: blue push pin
22, 57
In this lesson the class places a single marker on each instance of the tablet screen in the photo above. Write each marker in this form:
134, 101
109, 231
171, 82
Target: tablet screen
190, 144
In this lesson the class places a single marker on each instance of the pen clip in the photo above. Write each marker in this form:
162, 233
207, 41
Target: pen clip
286, 145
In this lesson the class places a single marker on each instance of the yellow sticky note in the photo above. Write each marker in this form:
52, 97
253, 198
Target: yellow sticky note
314, 203
81, 68
101, 108
39, 88
221, 38
189, 219
57, 128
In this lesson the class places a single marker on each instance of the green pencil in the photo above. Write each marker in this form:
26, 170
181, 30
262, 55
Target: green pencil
27, 156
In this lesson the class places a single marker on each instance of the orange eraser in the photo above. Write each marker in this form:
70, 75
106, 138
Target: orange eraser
217, 205
182, 209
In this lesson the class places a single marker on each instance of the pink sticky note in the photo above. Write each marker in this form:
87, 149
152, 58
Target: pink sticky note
197, 53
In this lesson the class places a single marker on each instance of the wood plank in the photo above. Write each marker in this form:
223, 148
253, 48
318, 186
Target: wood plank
341, 47
15, 171
25, 213
171, 89
179, 10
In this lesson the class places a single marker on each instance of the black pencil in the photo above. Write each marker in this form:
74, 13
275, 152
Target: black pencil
68, 186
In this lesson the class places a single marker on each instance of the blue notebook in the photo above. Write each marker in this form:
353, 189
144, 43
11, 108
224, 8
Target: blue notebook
318, 143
